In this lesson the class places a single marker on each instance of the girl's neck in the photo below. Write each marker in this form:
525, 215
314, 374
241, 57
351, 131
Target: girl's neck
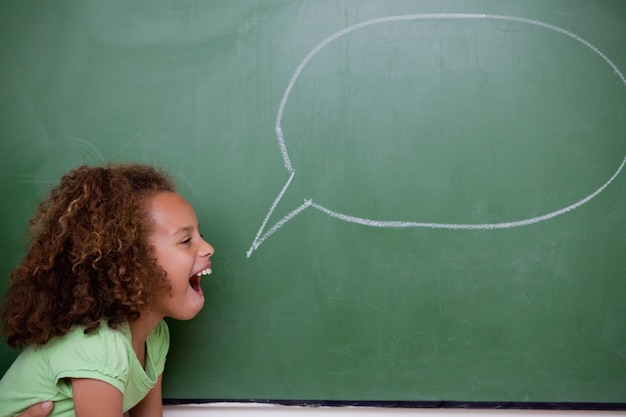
139, 331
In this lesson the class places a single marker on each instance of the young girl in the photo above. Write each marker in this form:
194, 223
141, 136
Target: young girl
115, 250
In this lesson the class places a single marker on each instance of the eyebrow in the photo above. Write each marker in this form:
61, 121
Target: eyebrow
186, 229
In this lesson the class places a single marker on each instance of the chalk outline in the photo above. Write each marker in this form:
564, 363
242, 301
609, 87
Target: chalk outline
262, 234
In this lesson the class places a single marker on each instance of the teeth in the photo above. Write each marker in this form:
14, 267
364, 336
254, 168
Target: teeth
207, 271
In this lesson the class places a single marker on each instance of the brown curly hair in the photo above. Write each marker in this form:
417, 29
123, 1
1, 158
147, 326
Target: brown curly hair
89, 259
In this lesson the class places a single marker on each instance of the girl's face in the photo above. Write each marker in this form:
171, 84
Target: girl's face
182, 252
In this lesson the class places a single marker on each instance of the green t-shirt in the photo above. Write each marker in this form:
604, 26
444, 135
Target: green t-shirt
41, 373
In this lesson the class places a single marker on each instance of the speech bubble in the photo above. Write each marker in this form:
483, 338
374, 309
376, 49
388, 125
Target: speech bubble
265, 231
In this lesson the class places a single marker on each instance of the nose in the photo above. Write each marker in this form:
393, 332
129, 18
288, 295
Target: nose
206, 249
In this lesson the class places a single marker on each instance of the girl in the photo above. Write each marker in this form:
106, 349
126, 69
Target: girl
115, 250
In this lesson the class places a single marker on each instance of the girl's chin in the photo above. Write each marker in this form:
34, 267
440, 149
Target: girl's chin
197, 307
191, 309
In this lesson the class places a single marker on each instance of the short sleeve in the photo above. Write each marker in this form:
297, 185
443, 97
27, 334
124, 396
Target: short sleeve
100, 355
158, 343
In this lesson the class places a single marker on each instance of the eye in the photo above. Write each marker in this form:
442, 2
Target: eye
187, 241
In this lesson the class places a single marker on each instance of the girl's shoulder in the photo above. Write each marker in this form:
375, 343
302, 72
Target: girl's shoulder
104, 349
103, 335
108, 339
103, 354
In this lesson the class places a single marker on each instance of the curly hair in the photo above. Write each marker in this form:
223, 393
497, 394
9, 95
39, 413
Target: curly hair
89, 259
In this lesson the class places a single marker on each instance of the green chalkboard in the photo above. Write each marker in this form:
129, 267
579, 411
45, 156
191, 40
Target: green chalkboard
410, 201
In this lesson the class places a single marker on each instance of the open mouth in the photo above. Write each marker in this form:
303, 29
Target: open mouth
194, 281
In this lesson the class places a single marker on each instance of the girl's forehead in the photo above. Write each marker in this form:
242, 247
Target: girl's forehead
172, 210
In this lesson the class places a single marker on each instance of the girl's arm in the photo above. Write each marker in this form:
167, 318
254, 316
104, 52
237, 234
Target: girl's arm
151, 405
94, 398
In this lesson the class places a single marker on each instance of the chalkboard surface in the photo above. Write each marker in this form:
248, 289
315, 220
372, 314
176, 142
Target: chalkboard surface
411, 201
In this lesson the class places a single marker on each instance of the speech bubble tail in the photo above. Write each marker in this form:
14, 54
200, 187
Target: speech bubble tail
259, 240
262, 234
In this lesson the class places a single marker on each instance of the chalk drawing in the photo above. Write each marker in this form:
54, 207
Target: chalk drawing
264, 232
